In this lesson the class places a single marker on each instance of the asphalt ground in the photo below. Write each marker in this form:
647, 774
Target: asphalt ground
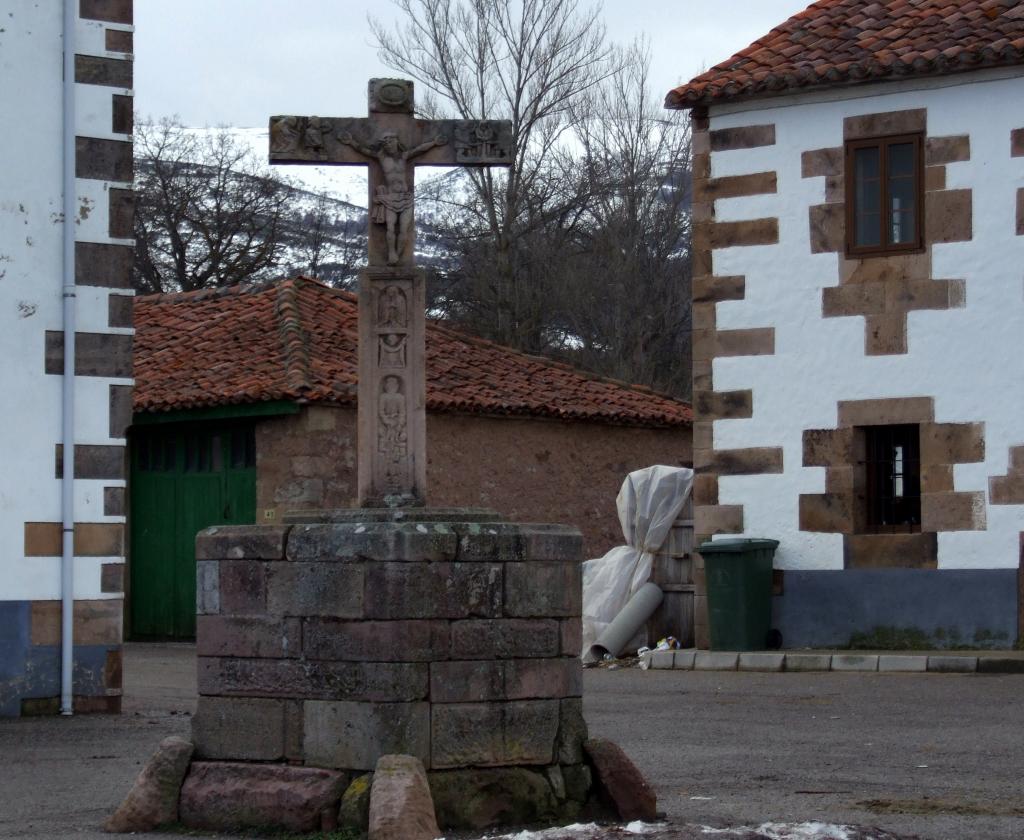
935, 756
939, 756
62, 776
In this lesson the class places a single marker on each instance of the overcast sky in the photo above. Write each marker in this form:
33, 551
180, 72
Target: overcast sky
236, 62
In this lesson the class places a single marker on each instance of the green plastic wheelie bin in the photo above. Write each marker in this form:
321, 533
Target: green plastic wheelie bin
739, 587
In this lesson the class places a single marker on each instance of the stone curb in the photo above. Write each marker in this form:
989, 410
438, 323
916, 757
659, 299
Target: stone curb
772, 661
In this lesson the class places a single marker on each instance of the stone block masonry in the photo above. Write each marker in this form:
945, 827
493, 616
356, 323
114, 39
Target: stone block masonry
337, 638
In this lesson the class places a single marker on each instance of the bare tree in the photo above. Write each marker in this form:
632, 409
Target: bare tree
628, 310
207, 212
522, 60
599, 263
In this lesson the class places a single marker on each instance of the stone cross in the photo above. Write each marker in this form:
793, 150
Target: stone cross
392, 388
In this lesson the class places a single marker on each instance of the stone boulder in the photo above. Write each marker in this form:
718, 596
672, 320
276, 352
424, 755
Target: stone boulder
487, 797
401, 807
354, 812
226, 795
153, 799
578, 781
619, 782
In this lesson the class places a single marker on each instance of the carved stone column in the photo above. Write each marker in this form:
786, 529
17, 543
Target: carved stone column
392, 390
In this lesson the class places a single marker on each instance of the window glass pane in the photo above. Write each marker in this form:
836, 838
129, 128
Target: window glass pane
866, 163
901, 160
191, 453
902, 197
902, 194
903, 227
867, 197
237, 448
243, 447
897, 472
868, 229
250, 447
170, 455
218, 449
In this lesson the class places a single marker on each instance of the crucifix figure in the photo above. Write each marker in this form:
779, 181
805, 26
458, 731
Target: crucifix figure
392, 201
392, 388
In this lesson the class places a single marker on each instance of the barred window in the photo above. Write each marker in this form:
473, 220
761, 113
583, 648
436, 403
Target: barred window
893, 479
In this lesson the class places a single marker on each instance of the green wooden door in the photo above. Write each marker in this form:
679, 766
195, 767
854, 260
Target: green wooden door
183, 478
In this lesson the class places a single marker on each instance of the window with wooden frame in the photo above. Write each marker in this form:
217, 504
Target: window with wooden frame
884, 195
893, 479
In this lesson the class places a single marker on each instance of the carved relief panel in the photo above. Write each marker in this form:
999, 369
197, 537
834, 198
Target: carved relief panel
483, 141
392, 334
393, 434
390, 96
294, 135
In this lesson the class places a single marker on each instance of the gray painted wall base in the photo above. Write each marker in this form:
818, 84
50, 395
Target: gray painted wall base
32, 672
898, 608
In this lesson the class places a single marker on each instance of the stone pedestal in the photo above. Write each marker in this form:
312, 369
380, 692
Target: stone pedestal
339, 637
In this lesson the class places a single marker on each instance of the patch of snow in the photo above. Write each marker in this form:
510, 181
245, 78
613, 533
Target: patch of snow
640, 827
566, 832
583, 831
781, 831
805, 831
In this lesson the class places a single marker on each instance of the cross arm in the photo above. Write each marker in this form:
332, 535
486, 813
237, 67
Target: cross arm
352, 141
318, 140
467, 143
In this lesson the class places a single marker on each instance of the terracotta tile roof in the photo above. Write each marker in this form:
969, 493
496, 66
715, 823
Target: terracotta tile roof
297, 339
847, 41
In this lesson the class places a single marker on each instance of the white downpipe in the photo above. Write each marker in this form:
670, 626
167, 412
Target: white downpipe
67, 565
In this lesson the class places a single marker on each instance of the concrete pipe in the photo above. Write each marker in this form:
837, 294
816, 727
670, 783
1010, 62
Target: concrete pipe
628, 622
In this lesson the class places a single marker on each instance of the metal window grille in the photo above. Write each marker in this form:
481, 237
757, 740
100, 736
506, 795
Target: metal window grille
893, 478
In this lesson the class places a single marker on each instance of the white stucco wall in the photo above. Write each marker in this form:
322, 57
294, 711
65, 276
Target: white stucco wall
31, 228
969, 359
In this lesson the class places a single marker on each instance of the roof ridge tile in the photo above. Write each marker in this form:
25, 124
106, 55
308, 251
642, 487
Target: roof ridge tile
293, 336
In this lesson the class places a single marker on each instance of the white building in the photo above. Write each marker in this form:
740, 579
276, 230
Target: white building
84, 136
859, 314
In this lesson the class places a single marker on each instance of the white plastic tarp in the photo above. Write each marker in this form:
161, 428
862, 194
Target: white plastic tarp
649, 501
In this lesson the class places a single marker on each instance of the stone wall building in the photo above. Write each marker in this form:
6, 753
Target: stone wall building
859, 236
41, 147
245, 409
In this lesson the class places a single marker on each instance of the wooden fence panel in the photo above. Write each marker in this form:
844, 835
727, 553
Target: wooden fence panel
672, 570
